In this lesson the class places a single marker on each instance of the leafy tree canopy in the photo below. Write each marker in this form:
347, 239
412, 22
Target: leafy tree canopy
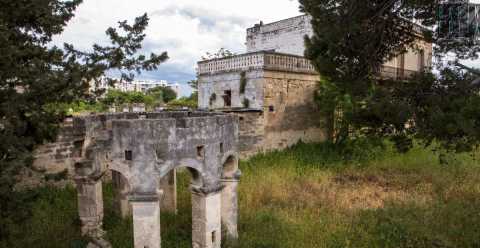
221, 53
352, 39
167, 94
34, 75
193, 84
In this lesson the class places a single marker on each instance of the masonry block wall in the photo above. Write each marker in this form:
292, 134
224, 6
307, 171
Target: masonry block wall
285, 36
218, 89
291, 115
284, 111
55, 157
53, 162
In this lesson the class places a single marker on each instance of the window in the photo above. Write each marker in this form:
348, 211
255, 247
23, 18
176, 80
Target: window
200, 152
227, 98
421, 60
401, 66
128, 155
214, 237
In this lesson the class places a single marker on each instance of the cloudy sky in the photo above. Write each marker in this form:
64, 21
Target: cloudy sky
186, 29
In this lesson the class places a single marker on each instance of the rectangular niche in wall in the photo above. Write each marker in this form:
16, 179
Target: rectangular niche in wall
128, 155
200, 152
214, 237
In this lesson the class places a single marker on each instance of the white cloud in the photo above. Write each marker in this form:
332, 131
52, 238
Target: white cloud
186, 29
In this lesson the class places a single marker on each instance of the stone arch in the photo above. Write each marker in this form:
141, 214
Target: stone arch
229, 195
196, 170
229, 165
121, 168
122, 189
106, 135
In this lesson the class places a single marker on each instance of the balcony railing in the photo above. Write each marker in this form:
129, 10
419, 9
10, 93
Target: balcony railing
279, 62
258, 60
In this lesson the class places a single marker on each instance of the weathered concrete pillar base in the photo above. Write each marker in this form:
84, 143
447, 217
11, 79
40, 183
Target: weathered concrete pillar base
90, 208
206, 220
230, 208
121, 191
168, 185
146, 222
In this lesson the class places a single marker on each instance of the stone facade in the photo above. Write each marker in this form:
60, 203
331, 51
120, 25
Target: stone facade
143, 150
280, 91
271, 88
285, 36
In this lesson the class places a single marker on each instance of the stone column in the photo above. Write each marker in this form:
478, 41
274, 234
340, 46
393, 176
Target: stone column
230, 206
168, 185
90, 207
121, 190
146, 221
206, 219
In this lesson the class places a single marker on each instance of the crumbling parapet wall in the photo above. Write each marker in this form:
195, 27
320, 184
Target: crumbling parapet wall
144, 149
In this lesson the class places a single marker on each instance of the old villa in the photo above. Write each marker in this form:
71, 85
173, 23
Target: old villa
271, 87
254, 102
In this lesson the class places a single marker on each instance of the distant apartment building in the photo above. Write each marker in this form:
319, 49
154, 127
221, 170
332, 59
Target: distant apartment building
135, 86
271, 87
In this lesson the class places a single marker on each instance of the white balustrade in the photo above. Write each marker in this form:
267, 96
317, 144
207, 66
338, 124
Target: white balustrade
257, 60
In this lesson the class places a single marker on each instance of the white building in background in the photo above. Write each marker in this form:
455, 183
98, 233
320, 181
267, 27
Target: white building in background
135, 86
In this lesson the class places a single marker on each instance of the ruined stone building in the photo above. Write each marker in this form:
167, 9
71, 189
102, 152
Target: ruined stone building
142, 151
271, 87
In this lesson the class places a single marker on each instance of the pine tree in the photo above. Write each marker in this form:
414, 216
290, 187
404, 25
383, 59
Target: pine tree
351, 41
35, 76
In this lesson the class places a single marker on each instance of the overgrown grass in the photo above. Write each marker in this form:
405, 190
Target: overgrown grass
310, 196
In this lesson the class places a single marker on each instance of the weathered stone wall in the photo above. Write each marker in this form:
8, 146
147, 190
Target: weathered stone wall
212, 89
251, 133
285, 36
53, 161
55, 157
291, 115
288, 113
145, 148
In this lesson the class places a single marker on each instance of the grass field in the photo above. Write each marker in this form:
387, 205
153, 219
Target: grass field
308, 196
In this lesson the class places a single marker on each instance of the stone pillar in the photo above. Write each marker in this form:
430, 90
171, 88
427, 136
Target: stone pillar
146, 221
230, 207
90, 207
206, 219
121, 191
168, 185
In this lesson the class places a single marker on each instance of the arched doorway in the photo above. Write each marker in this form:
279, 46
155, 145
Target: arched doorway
229, 208
176, 205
